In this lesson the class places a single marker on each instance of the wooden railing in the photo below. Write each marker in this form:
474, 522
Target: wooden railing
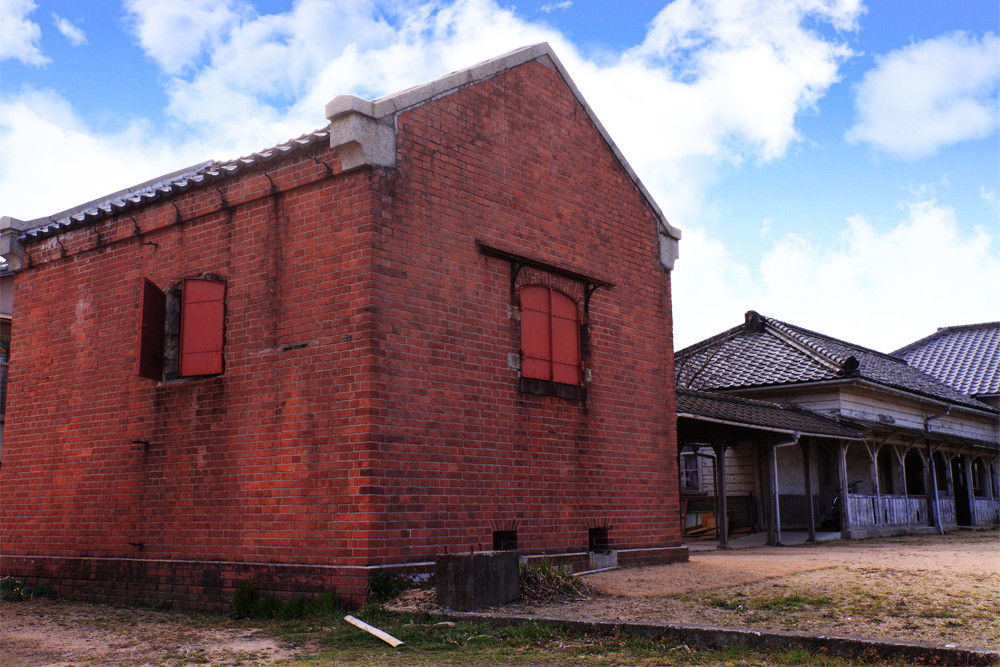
947, 508
888, 510
987, 512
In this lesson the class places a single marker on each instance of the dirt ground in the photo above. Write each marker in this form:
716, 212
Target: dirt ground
940, 589
929, 588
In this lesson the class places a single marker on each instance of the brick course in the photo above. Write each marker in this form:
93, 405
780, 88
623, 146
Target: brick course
368, 415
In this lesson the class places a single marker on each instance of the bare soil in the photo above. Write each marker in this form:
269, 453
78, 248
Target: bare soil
939, 589
64, 634
919, 588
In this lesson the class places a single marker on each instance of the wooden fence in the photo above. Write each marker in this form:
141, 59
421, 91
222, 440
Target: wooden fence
888, 510
987, 512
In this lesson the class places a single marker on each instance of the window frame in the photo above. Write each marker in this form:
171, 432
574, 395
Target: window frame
181, 332
686, 471
550, 347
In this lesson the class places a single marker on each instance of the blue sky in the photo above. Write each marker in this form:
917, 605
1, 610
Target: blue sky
831, 163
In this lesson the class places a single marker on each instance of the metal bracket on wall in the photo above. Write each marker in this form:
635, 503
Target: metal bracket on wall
518, 262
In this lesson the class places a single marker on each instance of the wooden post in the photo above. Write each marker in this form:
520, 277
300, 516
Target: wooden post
949, 479
806, 446
722, 521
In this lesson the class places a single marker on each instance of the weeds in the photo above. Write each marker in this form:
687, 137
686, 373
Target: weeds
386, 586
545, 582
13, 590
247, 602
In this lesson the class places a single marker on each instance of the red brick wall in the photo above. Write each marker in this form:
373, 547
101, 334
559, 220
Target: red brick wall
367, 415
255, 465
516, 162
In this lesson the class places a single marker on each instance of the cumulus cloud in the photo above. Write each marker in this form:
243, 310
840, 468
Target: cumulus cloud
59, 162
554, 6
926, 271
731, 76
719, 82
72, 33
176, 33
929, 95
18, 35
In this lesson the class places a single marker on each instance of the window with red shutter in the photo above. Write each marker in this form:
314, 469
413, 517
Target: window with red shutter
152, 315
182, 332
202, 330
550, 336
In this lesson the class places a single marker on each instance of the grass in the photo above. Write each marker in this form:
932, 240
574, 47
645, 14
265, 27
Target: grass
430, 641
790, 602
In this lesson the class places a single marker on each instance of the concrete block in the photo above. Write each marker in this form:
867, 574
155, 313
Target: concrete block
478, 579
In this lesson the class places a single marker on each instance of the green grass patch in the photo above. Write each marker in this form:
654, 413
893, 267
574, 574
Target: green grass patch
247, 602
780, 603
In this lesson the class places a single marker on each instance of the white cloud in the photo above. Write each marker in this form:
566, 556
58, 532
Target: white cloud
926, 271
716, 83
72, 33
748, 68
989, 195
554, 6
61, 163
710, 289
929, 95
176, 33
877, 288
18, 35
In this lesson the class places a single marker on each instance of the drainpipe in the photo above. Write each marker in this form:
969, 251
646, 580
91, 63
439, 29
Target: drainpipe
930, 457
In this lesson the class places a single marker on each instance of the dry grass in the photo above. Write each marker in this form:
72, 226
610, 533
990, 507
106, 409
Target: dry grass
923, 588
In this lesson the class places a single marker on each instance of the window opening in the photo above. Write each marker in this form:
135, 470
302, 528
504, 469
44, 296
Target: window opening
504, 540
182, 331
885, 472
690, 471
914, 473
597, 540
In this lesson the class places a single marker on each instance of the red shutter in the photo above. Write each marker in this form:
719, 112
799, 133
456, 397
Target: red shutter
203, 314
565, 340
152, 315
536, 351
550, 336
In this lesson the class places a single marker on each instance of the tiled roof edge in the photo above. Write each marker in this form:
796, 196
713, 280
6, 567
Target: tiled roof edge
388, 105
789, 334
155, 189
836, 428
800, 331
944, 331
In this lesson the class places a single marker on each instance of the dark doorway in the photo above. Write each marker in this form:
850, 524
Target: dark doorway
885, 475
963, 513
914, 466
941, 471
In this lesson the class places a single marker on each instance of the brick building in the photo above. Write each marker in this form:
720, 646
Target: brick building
441, 323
